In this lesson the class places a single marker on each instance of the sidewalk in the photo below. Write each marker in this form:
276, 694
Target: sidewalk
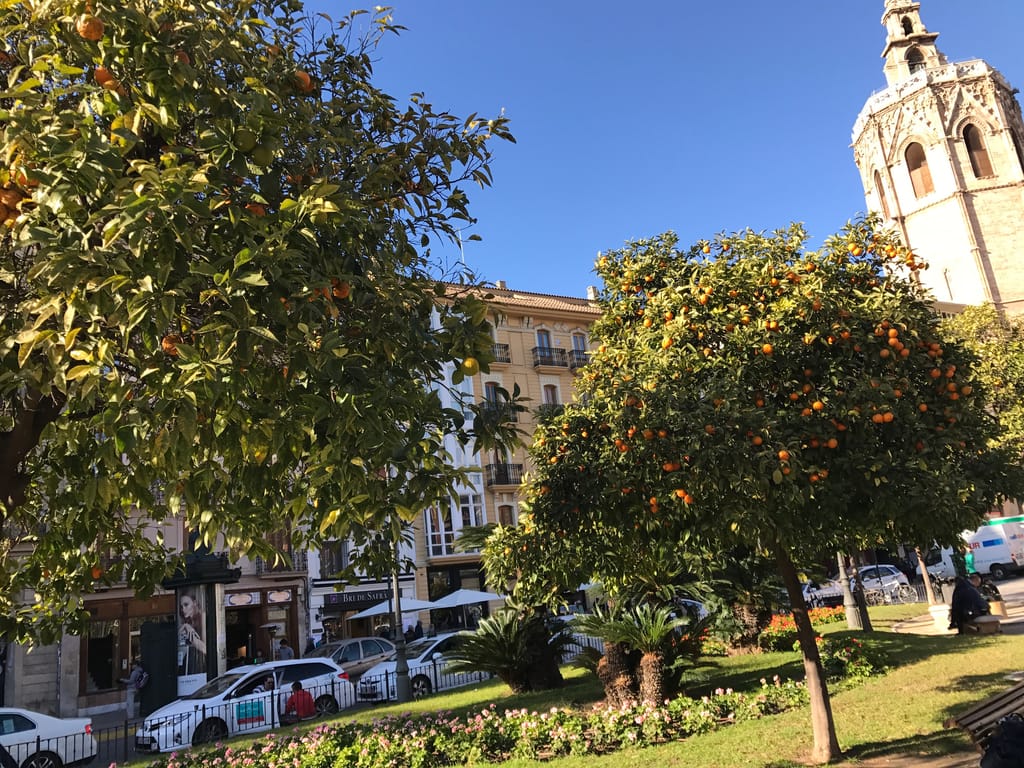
1013, 624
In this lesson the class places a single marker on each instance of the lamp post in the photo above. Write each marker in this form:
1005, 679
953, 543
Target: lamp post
403, 689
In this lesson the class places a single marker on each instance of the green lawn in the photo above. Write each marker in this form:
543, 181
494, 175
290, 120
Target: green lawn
901, 712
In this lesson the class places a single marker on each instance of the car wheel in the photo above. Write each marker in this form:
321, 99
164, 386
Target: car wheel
43, 760
999, 572
420, 687
326, 705
209, 731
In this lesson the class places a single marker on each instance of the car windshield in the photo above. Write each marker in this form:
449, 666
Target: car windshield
216, 686
416, 648
321, 651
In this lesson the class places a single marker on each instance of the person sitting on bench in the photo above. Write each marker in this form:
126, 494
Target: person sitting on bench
300, 705
967, 605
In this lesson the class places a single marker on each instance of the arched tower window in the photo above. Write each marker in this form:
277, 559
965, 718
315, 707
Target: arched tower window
915, 60
976, 150
908, 26
917, 165
880, 190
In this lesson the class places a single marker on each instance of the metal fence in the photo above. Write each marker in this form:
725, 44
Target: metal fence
424, 679
38, 751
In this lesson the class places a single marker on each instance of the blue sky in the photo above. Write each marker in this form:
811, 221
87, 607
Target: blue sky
634, 119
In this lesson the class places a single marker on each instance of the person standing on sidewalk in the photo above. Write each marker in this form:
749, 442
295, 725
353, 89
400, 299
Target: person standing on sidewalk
133, 683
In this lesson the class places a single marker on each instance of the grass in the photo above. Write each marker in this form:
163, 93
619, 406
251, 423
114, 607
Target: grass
900, 713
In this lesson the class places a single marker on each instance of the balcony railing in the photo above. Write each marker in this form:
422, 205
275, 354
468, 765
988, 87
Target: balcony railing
501, 353
550, 356
503, 474
549, 411
578, 358
270, 568
502, 411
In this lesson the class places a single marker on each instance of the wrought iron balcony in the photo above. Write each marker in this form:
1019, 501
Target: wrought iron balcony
552, 356
578, 358
503, 474
501, 353
282, 567
500, 410
549, 411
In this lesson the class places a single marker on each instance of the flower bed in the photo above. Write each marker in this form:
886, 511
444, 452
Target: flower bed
781, 633
492, 736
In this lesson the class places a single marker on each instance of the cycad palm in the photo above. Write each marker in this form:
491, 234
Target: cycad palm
518, 647
651, 631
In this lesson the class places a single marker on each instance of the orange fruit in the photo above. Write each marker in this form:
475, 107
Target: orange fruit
89, 27
783, 455
96, 571
181, 57
667, 342
470, 366
256, 209
102, 76
757, 440
169, 344
818, 405
767, 349
303, 81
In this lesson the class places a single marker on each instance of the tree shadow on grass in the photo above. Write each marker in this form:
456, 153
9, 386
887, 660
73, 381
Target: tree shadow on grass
937, 744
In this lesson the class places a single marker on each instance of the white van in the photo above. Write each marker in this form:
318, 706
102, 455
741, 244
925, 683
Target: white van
996, 549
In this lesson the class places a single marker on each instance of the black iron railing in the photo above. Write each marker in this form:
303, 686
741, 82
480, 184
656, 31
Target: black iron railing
503, 474
501, 353
550, 356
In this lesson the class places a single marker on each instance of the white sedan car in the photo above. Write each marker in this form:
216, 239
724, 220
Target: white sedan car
40, 741
427, 670
238, 702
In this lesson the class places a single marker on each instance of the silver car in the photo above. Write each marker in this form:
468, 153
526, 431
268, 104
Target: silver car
355, 654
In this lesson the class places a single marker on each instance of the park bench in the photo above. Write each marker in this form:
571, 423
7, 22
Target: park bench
981, 719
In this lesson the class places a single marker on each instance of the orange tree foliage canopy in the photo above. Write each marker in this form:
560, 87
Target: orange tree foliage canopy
218, 308
752, 391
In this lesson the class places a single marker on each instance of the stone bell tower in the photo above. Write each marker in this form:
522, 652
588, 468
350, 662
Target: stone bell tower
940, 156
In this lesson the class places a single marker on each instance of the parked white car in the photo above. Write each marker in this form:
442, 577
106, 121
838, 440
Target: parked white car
881, 576
35, 740
236, 702
427, 671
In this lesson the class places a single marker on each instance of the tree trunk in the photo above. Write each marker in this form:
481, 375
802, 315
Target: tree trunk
652, 678
615, 675
752, 621
826, 744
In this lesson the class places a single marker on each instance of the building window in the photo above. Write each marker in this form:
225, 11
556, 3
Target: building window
915, 61
333, 558
491, 389
544, 339
977, 152
908, 26
440, 533
579, 342
507, 515
880, 191
471, 509
550, 394
917, 165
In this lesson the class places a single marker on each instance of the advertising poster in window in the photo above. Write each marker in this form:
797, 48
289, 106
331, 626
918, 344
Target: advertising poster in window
191, 639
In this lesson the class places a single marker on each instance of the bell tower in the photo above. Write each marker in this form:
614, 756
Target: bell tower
940, 156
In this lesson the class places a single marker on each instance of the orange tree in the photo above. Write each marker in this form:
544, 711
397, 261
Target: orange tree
748, 391
218, 306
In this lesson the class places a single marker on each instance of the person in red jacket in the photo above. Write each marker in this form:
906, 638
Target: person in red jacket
299, 706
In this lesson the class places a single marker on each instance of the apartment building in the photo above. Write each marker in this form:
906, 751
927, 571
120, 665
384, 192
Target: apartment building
540, 340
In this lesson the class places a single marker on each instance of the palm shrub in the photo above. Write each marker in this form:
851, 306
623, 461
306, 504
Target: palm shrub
519, 646
641, 644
